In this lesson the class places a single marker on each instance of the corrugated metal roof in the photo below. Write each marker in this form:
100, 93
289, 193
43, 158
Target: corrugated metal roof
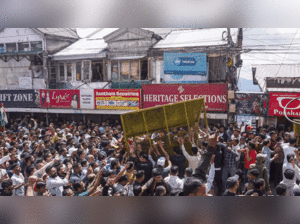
101, 33
62, 32
193, 38
285, 70
164, 32
83, 47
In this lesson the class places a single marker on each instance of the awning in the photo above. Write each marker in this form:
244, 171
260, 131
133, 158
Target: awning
65, 111
71, 111
79, 57
128, 58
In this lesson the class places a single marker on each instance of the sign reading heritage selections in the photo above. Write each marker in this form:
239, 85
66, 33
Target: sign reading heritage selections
215, 95
19, 98
252, 103
60, 98
118, 99
278, 101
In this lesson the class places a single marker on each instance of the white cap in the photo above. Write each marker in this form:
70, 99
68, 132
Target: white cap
71, 150
161, 161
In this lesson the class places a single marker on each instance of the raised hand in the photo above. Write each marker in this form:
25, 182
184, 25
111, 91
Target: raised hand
213, 139
212, 160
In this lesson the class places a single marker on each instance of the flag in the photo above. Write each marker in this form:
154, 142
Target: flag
3, 117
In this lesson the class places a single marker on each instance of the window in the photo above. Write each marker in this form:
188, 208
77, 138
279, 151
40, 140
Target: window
125, 68
69, 72
129, 70
115, 71
23, 47
2, 48
11, 47
97, 72
37, 46
86, 70
61, 72
52, 74
134, 70
78, 71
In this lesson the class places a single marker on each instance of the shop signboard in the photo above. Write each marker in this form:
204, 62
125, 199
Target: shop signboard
20, 98
215, 95
278, 101
184, 68
283, 82
87, 99
69, 99
252, 103
118, 99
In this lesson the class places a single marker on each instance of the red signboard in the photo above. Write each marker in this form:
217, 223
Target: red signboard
278, 101
215, 95
118, 99
60, 98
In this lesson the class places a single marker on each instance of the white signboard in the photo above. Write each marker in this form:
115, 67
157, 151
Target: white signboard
25, 82
87, 99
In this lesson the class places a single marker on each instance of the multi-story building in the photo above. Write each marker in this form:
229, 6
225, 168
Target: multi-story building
112, 58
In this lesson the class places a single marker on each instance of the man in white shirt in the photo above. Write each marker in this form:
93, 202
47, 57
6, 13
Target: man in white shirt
194, 159
3, 176
289, 181
289, 149
291, 164
236, 134
54, 183
236, 148
18, 180
174, 181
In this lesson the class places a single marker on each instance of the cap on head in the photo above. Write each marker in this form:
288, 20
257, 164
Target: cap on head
231, 181
161, 161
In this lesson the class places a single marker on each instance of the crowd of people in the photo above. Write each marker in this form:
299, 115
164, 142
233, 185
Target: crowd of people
93, 159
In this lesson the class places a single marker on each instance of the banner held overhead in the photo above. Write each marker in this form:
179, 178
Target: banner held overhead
161, 118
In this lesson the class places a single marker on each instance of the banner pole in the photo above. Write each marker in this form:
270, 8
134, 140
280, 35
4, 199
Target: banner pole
186, 117
167, 125
205, 118
145, 123
125, 136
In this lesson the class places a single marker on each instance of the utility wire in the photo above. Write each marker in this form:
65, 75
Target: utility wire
285, 55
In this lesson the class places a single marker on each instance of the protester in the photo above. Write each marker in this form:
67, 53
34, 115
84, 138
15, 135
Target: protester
67, 158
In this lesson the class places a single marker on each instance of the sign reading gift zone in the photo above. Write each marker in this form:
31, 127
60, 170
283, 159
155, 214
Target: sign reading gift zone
215, 95
278, 101
118, 99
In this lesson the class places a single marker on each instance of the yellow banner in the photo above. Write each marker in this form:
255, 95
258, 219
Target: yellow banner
164, 117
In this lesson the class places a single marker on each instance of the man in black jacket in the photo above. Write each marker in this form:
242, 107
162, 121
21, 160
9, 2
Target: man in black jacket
155, 181
196, 185
219, 163
146, 165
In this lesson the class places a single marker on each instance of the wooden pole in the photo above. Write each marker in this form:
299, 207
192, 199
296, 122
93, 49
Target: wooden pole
186, 116
167, 125
145, 123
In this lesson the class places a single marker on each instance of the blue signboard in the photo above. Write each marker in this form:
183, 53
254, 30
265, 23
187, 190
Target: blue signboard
185, 63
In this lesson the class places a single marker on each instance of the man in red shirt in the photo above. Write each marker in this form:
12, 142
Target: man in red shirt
250, 158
